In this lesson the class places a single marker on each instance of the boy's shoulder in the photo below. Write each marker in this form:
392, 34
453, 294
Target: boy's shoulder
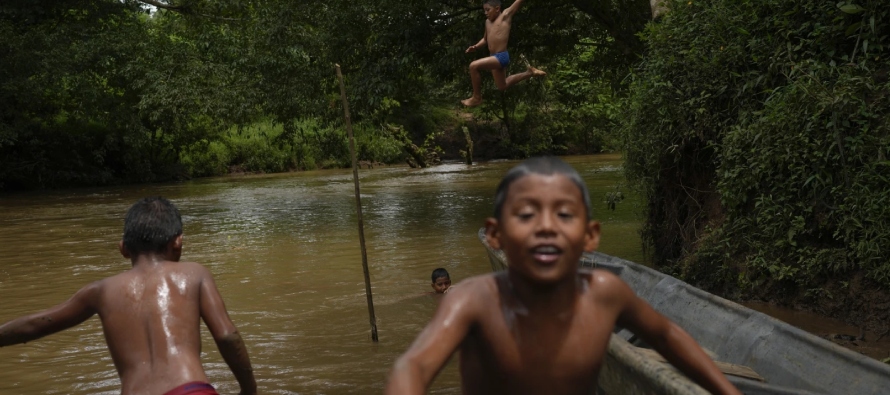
600, 275
192, 266
483, 283
194, 272
473, 300
191, 271
475, 292
605, 285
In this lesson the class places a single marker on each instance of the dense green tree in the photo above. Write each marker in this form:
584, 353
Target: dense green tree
757, 131
63, 102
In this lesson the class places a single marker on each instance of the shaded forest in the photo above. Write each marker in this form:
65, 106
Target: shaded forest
96, 91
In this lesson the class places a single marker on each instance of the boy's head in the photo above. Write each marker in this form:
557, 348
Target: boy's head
492, 9
546, 166
150, 226
441, 280
542, 220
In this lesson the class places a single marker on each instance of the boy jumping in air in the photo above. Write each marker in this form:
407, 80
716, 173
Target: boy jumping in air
543, 326
151, 313
497, 33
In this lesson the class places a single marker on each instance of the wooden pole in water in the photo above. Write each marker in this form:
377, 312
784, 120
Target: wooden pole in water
358, 207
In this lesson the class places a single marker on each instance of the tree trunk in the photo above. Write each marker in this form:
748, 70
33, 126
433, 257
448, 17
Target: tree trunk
659, 8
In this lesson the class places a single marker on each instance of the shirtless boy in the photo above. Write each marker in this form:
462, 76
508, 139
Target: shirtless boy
497, 33
543, 326
151, 313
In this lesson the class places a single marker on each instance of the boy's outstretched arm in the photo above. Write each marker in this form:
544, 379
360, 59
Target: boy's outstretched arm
228, 340
671, 341
416, 368
513, 8
73, 311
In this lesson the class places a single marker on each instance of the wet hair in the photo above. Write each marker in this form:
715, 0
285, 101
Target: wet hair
439, 273
493, 3
545, 166
150, 225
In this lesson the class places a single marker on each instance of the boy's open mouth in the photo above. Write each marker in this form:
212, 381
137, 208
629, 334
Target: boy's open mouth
546, 253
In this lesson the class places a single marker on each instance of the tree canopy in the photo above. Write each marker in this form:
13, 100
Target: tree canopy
95, 91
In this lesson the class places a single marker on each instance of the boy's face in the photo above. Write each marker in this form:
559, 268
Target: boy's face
491, 13
441, 285
543, 228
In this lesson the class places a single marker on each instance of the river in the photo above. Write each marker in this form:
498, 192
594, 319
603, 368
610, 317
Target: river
285, 254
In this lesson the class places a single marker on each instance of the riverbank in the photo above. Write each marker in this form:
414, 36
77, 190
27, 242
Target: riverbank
853, 315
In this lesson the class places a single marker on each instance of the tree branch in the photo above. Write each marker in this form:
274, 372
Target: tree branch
163, 5
457, 14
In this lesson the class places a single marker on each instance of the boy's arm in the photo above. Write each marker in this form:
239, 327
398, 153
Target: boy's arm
415, 370
75, 310
671, 341
512, 9
228, 340
476, 46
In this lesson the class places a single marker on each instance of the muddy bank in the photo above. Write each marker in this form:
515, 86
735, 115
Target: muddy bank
854, 314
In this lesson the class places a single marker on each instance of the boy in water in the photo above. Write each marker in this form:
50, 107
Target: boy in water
441, 281
151, 313
543, 326
497, 33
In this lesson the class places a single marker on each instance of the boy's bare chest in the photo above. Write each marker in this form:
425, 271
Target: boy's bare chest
497, 29
531, 351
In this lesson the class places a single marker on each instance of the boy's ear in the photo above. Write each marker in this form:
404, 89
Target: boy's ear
592, 238
123, 249
175, 248
492, 233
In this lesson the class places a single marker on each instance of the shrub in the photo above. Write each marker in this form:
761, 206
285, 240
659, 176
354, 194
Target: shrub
757, 131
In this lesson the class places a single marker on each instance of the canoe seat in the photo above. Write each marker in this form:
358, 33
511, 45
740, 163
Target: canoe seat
725, 367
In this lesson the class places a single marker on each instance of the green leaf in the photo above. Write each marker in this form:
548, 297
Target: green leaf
851, 8
852, 29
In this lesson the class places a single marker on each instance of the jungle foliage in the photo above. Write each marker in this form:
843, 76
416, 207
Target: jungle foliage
758, 132
106, 91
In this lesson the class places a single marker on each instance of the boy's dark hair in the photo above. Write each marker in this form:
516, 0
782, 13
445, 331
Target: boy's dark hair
150, 224
440, 272
493, 3
543, 165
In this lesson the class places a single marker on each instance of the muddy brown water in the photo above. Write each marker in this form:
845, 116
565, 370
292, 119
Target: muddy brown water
285, 254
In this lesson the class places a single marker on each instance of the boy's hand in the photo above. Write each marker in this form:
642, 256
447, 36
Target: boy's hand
472, 48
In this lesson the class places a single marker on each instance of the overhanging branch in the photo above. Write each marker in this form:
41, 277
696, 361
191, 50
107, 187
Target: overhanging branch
165, 6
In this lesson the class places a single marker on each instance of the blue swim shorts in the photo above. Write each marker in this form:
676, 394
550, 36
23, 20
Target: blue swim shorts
503, 58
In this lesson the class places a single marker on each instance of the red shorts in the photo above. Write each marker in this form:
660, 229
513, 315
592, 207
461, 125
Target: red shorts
193, 388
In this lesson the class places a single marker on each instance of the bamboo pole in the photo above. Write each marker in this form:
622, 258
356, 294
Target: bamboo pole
358, 207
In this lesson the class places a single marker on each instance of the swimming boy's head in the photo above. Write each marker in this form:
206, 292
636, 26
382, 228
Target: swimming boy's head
543, 165
441, 280
150, 226
542, 220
